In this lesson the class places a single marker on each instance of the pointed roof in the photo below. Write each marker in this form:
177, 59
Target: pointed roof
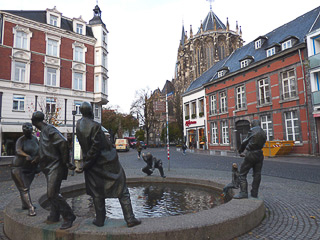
183, 35
96, 17
208, 22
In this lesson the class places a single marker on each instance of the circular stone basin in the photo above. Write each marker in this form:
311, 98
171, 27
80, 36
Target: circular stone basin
151, 200
225, 221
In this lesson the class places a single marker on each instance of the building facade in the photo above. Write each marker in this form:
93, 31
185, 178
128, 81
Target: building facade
267, 80
313, 42
49, 63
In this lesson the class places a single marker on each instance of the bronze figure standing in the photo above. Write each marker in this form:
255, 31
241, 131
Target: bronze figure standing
24, 165
253, 145
54, 163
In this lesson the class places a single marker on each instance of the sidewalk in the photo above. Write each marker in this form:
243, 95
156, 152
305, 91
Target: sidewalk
311, 160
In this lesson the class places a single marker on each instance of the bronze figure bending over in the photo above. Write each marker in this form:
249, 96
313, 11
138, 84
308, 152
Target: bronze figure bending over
104, 175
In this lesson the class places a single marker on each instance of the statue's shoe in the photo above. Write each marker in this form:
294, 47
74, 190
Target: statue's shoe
240, 195
98, 223
133, 222
68, 223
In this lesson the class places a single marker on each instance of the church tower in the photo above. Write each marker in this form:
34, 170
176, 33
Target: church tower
213, 42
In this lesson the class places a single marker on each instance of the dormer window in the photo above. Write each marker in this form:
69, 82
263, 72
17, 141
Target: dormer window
222, 71
246, 61
220, 74
286, 44
79, 28
54, 17
257, 44
271, 51
53, 20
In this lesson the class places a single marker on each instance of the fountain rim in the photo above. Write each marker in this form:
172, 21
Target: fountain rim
226, 221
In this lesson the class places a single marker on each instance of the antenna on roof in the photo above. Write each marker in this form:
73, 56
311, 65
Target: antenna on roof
210, 1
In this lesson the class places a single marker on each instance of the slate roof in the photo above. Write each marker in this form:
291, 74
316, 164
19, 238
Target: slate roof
40, 16
298, 28
207, 75
208, 23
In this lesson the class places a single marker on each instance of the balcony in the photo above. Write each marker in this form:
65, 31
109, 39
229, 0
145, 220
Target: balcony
316, 98
314, 61
100, 98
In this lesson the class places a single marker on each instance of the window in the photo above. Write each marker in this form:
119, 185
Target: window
187, 111
53, 20
214, 133
52, 48
220, 74
20, 72
78, 54
104, 37
264, 91
79, 28
193, 110
96, 111
244, 63
104, 60
51, 77
223, 102
271, 51
292, 126
77, 105
104, 85
257, 44
213, 104
225, 132
18, 103
21, 40
51, 105
201, 107
286, 44
316, 45
240, 97
77, 81
266, 125
288, 84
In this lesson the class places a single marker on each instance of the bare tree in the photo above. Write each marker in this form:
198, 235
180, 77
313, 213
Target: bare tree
142, 108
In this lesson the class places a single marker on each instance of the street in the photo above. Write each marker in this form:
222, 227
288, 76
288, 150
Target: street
290, 188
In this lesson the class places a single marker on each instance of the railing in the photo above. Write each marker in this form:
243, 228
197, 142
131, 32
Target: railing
314, 61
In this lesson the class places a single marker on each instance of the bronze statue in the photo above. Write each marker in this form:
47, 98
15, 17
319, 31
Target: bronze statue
25, 166
104, 175
233, 185
253, 144
54, 163
152, 163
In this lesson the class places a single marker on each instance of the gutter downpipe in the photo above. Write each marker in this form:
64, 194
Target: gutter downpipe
305, 100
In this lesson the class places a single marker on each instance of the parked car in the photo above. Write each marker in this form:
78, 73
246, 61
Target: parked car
132, 141
143, 145
122, 145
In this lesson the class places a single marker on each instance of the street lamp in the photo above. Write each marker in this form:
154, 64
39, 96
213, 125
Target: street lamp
74, 112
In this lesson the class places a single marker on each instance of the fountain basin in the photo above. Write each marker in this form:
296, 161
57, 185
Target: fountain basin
226, 221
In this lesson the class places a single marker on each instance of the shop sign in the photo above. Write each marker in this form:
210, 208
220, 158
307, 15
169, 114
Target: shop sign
188, 123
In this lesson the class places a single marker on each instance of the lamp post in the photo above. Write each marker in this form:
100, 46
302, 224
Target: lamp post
74, 112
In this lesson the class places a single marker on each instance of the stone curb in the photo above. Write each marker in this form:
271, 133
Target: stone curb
223, 222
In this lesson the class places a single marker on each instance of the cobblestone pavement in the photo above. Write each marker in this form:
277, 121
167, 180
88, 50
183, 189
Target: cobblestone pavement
290, 188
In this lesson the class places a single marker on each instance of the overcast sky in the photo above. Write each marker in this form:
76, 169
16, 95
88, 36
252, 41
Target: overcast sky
144, 35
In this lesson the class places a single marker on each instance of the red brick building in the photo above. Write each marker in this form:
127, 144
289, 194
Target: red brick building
50, 63
267, 80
